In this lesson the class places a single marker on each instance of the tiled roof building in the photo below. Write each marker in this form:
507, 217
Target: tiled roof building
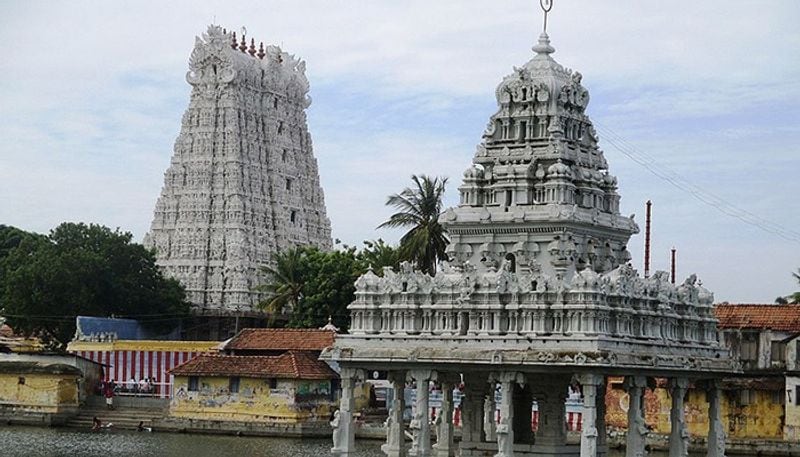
290, 365
273, 341
784, 318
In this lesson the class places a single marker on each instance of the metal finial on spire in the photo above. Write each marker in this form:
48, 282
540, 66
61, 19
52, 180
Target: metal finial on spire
546, 5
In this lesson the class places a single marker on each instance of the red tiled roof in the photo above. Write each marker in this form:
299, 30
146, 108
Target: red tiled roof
290, 365
784, 318
283, 339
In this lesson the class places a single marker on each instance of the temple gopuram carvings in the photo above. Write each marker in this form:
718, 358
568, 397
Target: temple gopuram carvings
243, 183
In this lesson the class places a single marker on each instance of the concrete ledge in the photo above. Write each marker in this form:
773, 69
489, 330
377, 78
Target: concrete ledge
10, 417
742, 447
315, 429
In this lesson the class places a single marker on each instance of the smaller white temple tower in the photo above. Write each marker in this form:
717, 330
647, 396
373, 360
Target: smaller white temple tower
538, 295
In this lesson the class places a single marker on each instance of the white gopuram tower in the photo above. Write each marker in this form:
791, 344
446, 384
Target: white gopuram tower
243, 183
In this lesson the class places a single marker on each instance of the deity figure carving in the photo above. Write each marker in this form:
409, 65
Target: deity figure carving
337, 433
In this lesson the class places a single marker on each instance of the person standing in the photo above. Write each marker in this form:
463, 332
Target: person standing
109, 394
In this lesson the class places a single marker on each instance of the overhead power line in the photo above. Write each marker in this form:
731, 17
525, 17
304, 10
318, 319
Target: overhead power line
650, 164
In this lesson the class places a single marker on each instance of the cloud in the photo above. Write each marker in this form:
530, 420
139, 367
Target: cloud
92, 96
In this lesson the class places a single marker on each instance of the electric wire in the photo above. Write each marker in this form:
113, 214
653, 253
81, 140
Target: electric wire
650, 164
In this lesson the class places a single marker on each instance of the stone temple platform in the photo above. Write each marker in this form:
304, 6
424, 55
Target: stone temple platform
538, 296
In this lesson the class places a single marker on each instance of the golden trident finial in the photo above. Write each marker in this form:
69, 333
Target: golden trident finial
546, 5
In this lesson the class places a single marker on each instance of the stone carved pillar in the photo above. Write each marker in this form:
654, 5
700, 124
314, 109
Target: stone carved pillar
490, 414
552, 411
343, 426
523, 401
716, 431
602, 433
505, 429
472, 408
444, 421
395, 430
591, 384
679, 434
637, 429
420, 424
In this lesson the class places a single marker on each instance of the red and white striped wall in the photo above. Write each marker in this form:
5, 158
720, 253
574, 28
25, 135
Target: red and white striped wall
126, 359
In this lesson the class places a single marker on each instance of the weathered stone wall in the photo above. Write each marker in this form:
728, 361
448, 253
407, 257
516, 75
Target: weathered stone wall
291, 401
762, 418
42, 398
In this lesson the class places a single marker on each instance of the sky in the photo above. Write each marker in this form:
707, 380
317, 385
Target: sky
706, 94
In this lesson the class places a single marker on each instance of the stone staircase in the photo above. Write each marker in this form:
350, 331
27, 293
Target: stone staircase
126, 415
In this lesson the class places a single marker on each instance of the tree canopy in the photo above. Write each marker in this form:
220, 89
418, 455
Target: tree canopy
79, 269
308, 285
419, 207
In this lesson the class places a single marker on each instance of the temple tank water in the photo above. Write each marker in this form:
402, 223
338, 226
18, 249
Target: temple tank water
62, 442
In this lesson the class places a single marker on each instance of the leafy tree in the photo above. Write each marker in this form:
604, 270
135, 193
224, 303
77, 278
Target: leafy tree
377, 254
329, 287
80, 269
11, 238
419, 208
308, 285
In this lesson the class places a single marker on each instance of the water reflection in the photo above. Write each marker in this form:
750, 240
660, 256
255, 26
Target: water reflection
60, 442
54, 442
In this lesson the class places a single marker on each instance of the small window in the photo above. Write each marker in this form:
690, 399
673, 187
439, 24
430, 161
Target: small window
21, 380
275, 102
194, 383
280, 126
233, 385
797, 395
797, 352
284, 155
288, 184
778, 351
745, 397
273, 383
749, 348
778, 397
293, 216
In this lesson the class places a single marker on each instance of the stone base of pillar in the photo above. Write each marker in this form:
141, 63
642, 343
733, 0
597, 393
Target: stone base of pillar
393, 451
471, 449
476, 449
443, 452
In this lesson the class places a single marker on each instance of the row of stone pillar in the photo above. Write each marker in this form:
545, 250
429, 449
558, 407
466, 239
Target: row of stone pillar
479, 435
635, 444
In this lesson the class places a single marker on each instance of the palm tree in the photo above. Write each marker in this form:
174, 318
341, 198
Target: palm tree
795, 297
419, 208
284, 285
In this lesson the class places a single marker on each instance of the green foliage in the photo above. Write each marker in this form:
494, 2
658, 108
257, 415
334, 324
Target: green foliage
310, 285
79, 269
377, 254
795, 297
284, 286
419, 209
328, 288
